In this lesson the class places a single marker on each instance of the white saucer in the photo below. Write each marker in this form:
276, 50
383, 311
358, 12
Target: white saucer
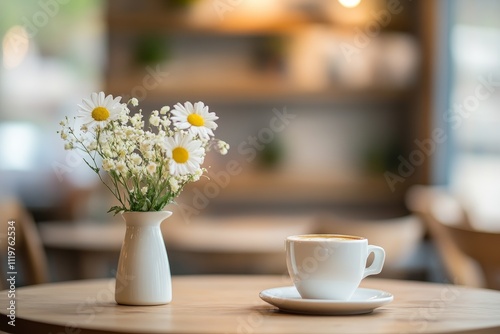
287, 299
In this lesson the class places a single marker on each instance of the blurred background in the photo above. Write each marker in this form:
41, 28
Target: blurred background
335, 110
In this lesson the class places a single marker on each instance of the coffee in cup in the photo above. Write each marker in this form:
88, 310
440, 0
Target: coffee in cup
330, 266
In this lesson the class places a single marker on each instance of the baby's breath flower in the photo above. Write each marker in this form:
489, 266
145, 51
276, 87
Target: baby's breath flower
154, 120
129, 132
134, 102
124, 119
151, 168
136, 121
108, 164
164, 110
165, 121
223, 147
121, 167
197, 174
122, 153
136, 159
174, 185
69, 146
145, 146
92, 146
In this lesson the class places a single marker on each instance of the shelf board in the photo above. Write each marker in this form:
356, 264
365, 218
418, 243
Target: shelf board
158, 22
286, 23
260, 91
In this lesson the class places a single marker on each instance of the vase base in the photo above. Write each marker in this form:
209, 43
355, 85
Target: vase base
142, 303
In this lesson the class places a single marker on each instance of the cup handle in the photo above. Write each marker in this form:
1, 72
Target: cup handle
378, 261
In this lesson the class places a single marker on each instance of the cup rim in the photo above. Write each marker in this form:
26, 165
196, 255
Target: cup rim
334, 237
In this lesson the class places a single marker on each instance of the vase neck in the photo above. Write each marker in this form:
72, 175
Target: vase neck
151, 218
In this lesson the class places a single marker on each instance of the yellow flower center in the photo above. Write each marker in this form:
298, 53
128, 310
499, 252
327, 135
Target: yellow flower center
180, 155
100, 114
196, 120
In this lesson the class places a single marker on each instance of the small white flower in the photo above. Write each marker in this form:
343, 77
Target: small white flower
185, 153
197, 174
174, 184
129, 132
68, 146
136, 121
136, 159
165, 122
223, 147
196, 119
134, 102
108, 164
64, 135
151, 168
145, 146
92, 146
108, 153
100, 109
144, 190
154, 120
121, 167
124, 119
164, 110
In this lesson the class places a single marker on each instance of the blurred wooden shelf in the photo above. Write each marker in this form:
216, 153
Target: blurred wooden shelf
222, 91
314, 187
168, 23
219, 62
161, 19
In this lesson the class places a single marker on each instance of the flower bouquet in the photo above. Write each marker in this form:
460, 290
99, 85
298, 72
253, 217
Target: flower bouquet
148, 166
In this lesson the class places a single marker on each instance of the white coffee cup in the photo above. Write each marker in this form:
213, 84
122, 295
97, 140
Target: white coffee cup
330, 266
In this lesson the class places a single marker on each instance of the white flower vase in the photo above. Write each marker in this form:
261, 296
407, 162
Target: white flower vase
143, 275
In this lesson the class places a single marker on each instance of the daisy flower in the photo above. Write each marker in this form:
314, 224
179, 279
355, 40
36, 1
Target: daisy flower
196, 119
100, 109
185, 154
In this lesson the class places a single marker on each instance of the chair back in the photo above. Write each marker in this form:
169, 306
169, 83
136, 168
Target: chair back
460, 247
18, 231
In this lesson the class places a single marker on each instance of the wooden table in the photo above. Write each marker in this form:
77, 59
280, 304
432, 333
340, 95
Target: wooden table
231, 304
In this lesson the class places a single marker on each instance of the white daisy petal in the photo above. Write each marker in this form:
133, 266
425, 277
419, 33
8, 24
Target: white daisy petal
94, 99
101, 98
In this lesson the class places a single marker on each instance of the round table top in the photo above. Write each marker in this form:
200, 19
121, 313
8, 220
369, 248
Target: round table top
231, 304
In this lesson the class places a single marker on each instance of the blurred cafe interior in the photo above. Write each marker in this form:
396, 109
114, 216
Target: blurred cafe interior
376, 118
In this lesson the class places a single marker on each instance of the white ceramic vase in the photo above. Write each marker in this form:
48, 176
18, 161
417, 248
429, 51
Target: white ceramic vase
143, 275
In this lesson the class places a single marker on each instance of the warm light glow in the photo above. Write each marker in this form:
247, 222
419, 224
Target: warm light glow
349, 3
15, 46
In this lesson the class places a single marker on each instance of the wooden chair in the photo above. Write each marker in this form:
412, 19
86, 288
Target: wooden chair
470, 257
30, 258
483, 247
400, 237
